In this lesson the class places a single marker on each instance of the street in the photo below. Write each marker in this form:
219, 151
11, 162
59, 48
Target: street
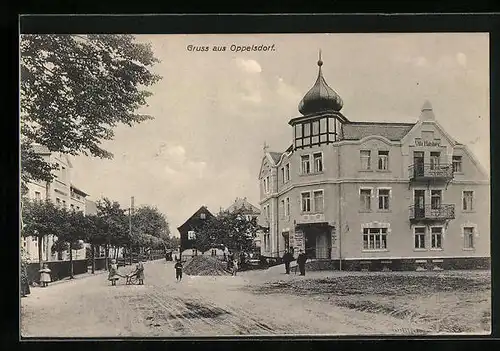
197, 306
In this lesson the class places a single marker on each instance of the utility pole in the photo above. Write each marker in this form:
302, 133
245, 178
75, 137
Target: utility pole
130, 211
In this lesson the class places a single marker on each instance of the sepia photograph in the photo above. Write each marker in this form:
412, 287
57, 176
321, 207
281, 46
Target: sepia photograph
332, 184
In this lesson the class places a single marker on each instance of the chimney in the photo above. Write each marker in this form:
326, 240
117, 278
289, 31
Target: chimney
426, 113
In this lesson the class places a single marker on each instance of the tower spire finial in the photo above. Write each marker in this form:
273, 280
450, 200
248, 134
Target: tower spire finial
320, 63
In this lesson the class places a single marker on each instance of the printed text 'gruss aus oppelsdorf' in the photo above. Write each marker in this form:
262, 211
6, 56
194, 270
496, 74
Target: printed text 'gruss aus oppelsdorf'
232, 48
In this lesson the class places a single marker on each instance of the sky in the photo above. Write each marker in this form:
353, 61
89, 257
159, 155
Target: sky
213, 111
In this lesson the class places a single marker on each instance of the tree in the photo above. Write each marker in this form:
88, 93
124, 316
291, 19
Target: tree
72, 235
209, 233
229, 229
41, 219
95, 235
148, 220
113, 224
75, 89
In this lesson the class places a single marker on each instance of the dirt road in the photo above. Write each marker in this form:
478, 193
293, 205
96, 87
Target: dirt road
197, 306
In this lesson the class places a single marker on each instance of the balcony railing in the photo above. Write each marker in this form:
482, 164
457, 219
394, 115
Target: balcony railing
421, 171
432, 212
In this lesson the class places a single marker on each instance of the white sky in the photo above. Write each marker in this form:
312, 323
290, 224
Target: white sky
214, 110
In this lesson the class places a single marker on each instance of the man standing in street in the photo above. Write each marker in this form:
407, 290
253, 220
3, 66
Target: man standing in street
287, 258
301, 261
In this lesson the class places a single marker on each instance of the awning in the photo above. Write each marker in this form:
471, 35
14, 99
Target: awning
314, 225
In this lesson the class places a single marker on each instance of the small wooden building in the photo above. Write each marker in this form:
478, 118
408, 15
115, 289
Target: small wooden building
189, 228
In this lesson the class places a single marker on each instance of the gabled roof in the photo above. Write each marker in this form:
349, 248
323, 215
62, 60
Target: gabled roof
391, 131
202, 209
242, 203
275, 156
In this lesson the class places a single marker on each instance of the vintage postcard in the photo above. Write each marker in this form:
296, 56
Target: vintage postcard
254, 185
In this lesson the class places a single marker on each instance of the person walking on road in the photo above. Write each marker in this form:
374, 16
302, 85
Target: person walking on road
113, 272
45, 278
301, 261
287, 258
178, 270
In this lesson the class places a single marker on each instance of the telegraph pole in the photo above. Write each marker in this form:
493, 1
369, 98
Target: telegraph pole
130, 210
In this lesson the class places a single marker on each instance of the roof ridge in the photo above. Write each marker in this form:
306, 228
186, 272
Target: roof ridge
383, 123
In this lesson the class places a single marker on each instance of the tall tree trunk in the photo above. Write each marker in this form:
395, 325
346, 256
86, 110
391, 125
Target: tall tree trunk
40, 253
106, 252
71, 276
92, 248
116, 253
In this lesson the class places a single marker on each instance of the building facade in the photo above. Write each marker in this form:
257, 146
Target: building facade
63, 193
249, 211
374, 193
188, 231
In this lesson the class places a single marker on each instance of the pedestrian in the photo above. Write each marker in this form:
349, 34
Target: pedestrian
140, 272
235, 266
178, 270
25, 286
113, 272
287, 258
301, 261
45, 278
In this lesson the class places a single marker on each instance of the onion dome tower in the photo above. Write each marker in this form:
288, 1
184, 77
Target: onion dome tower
321, 120
320, 97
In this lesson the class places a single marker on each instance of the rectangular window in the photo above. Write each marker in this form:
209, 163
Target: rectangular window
435, 160
287, 206
306, 202
191, 235
436, 199
436, 238
38, 196
383, 199
282, 208
287, 173
457, 164
383, 160
283, 174
318, 201
322, 127
365, 159
315, 130
268, 212
266, 184
298, 131
468, 200
365, 199
203, 215
307, 129
318, 162
420, 238
374, 238
468, 237
306, 164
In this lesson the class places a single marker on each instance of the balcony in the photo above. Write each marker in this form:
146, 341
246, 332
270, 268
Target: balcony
432, 212
423, 172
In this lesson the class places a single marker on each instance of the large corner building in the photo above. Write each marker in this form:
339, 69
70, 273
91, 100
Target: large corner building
356, 193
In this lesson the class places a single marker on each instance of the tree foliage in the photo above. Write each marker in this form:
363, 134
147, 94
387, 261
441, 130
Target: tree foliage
113, 222
40, 219
75, 89
229, 229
